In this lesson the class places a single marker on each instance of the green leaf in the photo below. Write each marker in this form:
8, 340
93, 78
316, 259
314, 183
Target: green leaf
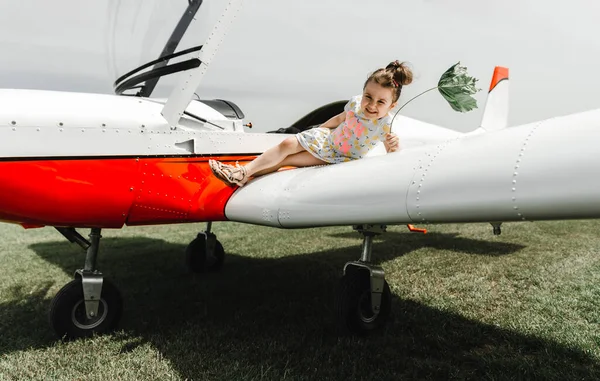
457, 87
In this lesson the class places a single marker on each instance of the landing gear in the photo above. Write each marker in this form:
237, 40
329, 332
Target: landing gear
497, 227
363, 300
68, 315
89, 304
205, 253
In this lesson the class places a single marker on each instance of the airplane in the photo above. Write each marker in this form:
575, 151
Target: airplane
101, 161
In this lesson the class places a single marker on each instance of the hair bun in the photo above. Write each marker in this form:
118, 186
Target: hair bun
395, 75
401, 72
393, 65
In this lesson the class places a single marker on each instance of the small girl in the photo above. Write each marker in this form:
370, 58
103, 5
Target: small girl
365, 121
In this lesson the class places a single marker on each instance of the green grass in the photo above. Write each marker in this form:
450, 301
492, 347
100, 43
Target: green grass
466, 305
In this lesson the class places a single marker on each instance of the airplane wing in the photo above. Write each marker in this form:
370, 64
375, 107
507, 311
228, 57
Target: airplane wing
532, 172
543, 170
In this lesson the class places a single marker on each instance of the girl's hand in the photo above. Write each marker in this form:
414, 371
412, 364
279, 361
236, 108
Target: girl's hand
392, 142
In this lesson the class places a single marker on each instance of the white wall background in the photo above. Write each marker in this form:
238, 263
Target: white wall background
285, 58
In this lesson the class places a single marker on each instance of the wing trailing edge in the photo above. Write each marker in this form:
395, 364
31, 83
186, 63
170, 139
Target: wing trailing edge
495, 114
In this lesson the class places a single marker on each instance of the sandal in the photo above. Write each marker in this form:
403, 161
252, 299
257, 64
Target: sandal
229, 174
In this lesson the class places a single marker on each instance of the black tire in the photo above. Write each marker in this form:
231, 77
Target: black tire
197, 259
67, 311
353, 305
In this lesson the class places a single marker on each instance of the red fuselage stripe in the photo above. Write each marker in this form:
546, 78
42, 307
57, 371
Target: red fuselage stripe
111, 192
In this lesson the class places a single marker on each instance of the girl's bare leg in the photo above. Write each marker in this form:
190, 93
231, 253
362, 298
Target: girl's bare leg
301, 159
274, 156
269, 161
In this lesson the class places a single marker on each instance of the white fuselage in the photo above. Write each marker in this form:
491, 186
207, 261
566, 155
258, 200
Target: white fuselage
47, 124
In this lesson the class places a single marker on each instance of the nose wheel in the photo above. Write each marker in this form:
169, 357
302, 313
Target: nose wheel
68, 315
89, 304
363, 300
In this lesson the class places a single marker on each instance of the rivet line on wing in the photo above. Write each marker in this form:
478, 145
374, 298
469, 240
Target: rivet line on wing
515, 175
421, 176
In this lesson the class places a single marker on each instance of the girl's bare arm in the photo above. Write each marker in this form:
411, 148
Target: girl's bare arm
335, 121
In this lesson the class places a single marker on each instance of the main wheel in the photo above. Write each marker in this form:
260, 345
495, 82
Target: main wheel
353, 305
67, 311
199, 260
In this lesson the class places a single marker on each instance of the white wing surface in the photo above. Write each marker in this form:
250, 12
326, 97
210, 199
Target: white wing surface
539, 171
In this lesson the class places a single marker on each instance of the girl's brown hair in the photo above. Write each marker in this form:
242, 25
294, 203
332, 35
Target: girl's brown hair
395, 75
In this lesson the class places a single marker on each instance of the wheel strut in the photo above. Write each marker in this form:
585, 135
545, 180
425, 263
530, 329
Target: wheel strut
91, 279
210, 239
376, 273
89, 304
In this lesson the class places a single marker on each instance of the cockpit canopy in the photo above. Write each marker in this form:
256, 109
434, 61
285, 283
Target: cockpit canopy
151, 40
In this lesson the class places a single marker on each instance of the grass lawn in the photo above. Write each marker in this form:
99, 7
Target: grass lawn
466, 305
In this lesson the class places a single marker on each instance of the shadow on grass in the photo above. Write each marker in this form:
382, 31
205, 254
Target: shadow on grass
272, 318
407, 242
24, 320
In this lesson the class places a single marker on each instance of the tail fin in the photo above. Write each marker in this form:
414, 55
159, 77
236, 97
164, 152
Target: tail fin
495, 114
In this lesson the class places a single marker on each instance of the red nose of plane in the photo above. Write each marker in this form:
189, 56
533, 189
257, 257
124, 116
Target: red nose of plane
63, 192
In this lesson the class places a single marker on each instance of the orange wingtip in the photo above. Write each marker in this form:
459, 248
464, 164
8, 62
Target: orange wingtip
413, 229
500, 74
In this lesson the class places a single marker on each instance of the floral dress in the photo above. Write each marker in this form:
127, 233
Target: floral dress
351, 140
